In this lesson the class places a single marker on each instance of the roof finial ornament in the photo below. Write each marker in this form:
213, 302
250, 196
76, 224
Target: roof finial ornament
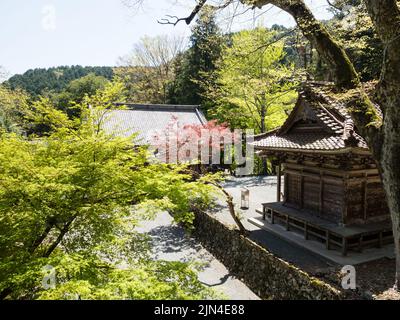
348, 133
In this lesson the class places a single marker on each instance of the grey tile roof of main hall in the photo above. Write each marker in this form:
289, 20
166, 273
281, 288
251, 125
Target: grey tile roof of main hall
146, 119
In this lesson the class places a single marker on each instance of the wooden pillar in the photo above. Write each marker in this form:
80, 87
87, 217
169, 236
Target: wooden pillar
344, 247
306, 230
360, 244
345, 199
278, 190
285, 186
321, 192
328, 240
302, 190
365, 194
380, 240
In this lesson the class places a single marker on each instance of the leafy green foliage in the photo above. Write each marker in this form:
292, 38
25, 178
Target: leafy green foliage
353, 27
69, 101
76, 91
255, 89
13, 104
72, 200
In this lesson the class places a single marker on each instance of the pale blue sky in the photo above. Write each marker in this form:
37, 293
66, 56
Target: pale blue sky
95, 32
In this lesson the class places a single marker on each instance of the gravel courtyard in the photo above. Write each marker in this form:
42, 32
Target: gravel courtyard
171, 243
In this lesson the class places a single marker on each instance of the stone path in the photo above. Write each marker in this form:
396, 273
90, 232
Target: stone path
172, 244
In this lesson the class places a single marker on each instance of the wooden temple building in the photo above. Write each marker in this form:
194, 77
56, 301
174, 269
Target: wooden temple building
332, 190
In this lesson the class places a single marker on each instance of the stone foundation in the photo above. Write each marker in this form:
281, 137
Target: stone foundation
265, 274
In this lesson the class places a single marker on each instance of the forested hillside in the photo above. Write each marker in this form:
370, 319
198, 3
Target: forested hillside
39, 81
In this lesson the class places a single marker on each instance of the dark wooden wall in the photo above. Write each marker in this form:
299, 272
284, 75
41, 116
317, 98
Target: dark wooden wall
333, 201
349, 194
366, 200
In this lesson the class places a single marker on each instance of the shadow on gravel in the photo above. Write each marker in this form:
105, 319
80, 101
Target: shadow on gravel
224, 279
172, 242
171, 239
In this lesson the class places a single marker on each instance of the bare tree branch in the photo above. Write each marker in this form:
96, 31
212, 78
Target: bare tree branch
3, 74
333, 5
188, 19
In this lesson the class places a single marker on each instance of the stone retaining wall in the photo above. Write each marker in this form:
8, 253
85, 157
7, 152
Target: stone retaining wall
265, 274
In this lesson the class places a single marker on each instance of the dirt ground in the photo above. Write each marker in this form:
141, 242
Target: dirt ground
374, 280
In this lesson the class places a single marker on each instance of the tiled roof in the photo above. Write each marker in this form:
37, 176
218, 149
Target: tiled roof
338, 128
306, 141
146, 119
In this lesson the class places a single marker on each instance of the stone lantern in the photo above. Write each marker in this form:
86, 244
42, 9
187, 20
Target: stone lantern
245, 198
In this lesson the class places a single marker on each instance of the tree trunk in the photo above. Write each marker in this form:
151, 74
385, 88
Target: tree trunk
334, 55
386, 18
346, 77
7, 291
263, 115
262, 118
391, 178
231, 207
40, 239
63, 232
